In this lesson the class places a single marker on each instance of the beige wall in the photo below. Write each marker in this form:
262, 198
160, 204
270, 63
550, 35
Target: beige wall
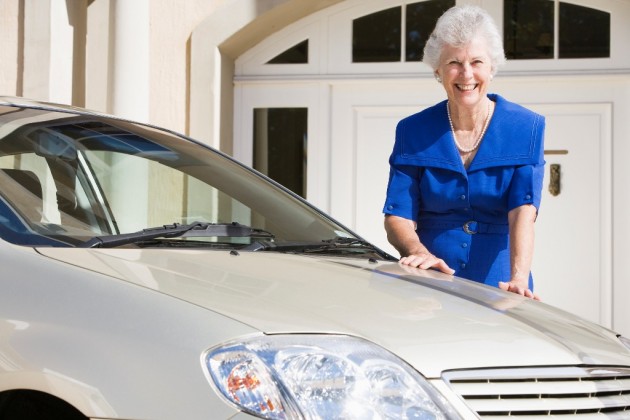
10, 46
42, 52
172, 23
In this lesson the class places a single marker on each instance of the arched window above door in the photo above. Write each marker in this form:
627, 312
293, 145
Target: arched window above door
297, 54
584, 32
396, 34
531, 30
377, 37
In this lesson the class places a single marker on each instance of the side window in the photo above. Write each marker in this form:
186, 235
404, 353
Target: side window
529, 32
27, 182
49, 195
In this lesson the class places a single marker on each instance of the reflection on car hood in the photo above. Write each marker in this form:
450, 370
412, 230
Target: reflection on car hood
433, 321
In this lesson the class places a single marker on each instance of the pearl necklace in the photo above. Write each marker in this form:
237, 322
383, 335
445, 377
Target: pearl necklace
478, 142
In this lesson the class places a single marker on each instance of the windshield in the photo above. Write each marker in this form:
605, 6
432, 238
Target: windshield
69, 178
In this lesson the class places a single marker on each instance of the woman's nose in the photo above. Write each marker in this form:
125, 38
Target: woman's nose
466, 70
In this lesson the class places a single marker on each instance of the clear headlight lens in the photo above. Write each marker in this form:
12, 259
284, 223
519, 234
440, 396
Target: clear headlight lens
321, 377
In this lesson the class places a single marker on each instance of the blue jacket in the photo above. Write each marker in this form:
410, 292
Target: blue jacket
462, 213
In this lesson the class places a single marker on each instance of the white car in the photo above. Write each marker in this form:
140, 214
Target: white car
147, 276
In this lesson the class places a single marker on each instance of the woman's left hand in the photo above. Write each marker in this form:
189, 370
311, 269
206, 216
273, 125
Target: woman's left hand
514, 287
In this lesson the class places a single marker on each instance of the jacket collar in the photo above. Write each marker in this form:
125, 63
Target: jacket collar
513, 137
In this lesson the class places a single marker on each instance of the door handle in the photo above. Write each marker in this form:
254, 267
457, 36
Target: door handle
554, 179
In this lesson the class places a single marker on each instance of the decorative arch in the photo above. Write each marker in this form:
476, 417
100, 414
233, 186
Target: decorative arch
218, 40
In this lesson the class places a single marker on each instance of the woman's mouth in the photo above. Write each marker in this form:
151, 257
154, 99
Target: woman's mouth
466, 88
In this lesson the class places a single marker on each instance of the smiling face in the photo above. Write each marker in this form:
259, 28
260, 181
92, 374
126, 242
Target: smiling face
466, 72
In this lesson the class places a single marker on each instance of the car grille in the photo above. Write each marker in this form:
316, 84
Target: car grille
562, 392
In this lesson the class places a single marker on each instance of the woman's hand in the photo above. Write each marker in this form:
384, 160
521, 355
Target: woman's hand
516, 287
401, 233
426, 260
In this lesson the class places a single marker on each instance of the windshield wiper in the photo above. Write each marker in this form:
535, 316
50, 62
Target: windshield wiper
347, 241
337, 245
342, 244
197, 229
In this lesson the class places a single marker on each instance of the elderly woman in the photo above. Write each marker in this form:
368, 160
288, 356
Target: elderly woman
466, 174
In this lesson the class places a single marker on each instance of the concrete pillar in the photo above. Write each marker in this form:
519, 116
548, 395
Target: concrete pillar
99, 55
130, 78
130, 97
54, 50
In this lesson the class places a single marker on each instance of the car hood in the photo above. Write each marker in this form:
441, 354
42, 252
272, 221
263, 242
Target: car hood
433, 321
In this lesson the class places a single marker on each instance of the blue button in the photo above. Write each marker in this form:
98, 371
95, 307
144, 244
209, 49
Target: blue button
464, 245
528, 197
463, 265
390, 207
462, 197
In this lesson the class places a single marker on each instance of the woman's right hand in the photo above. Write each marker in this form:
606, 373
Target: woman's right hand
426, 260
401, 233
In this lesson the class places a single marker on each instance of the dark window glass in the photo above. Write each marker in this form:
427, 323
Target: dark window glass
298, 54
584, 32
280, 146
376, 38
528, 29
420, 20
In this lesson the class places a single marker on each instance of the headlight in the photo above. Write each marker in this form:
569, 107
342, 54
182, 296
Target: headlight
321, 376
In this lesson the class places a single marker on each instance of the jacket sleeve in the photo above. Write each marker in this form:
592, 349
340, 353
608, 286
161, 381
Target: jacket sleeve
403, 192
526, 186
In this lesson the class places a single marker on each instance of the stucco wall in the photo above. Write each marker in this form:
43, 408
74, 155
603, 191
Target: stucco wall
10, 83
171, 24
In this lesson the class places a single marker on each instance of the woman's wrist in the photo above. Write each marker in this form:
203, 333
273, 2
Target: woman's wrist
520, 281
419, 251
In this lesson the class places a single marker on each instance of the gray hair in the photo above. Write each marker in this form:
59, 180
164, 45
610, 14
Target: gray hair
457, 27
